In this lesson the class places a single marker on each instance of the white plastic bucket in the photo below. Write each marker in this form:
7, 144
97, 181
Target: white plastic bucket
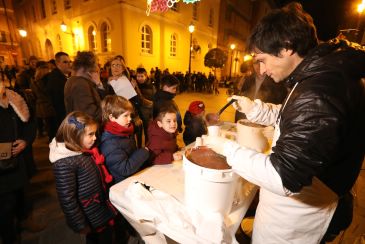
209, 190
252, 137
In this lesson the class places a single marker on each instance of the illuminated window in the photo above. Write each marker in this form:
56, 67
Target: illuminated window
146, 39
195, 11
173, 43
105, 37
67, 4
211, 17
43, 9
2, 36
54, 7
59, 42
91, 35
33, 13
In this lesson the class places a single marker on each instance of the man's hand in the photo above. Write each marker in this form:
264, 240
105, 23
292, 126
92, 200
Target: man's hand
243, 104
18, 147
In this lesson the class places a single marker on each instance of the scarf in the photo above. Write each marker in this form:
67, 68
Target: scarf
99, 161
9, 97
116, 129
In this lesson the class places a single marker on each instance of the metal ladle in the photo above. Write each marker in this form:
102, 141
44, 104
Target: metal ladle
213, 118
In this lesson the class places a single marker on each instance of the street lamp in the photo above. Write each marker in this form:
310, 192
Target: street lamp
22, 32
236, 59
233, 46
360, 9
63, 27
191, 30
74, 33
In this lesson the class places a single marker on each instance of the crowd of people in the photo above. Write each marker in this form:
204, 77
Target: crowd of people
106, 123
121, 121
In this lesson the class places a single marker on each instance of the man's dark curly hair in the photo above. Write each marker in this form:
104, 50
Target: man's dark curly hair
85, 60
287, 28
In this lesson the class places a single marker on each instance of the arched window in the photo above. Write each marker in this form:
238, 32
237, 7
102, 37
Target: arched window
211, 17
67, 4
91, 33
43, 9
105, 37
54, 7
173, 44
49, 49
146, 39
195, 10
59, 42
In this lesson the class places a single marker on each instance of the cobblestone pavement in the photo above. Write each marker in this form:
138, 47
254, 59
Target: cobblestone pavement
46, 208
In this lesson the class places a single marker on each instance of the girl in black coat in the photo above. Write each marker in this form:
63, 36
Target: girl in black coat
81, 179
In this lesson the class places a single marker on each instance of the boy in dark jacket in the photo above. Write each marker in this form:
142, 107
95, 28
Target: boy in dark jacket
162, 137
122, 157
147, 90
194, 122
165, 96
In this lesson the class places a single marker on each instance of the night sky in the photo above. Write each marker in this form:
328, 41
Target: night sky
329, 15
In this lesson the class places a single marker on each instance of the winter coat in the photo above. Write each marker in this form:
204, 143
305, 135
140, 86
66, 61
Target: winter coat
81, 95
122, 157
194, 127
15, 124
55, 85
147, 89
24, 79
318, 146
81, 193
44, 107
162, 144
163, 98
332, 95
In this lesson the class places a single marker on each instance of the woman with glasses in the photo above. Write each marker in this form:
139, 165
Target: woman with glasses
119, 79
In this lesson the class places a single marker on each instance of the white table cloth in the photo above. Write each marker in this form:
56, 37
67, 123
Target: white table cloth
170, 179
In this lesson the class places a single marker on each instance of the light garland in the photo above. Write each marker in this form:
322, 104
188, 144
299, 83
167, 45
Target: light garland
163, 5
190, 1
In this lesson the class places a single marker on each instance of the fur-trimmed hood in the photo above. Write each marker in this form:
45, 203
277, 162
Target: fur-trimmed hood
17, 103
58, 150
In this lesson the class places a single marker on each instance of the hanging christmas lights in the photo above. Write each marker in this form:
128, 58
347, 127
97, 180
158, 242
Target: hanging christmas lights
163, 5
190, 1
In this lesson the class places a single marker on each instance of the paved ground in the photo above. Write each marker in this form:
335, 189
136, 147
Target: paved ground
47, 210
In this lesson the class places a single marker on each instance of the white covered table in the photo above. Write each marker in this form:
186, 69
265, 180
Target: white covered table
170, 179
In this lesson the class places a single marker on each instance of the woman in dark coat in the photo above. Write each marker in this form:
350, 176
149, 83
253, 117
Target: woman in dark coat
44, 109
15, 134
81, 90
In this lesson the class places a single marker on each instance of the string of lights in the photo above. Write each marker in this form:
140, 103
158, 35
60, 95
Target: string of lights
163, 5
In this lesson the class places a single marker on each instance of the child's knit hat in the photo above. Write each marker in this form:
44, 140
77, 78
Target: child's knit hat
196, 107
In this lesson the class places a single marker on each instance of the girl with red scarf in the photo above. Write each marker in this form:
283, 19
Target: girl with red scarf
81, 180
118, 145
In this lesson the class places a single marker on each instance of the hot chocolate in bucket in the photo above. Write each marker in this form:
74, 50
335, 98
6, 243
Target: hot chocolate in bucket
210, 183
